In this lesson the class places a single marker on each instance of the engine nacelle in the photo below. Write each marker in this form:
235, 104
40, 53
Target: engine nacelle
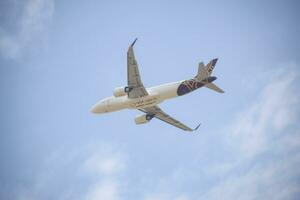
142, 119
119, 91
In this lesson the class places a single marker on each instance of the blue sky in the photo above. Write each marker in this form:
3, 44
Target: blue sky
58, 58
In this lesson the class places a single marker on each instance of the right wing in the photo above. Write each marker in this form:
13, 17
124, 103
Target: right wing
135, 84
159, 114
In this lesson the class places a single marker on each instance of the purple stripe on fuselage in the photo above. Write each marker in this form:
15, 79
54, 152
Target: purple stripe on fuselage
188, 86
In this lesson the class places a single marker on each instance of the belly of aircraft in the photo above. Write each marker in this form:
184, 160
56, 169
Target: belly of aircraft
144, 102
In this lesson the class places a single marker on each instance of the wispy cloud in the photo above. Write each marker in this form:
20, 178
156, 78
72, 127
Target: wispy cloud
273, 112
265, 138
106, 165
166, 196
31, 26
272, 179
107, 189
99, 166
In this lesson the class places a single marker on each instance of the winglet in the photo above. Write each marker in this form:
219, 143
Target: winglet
133, 42
197, 127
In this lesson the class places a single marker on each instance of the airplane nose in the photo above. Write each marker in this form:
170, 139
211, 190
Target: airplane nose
98, 108
93, 109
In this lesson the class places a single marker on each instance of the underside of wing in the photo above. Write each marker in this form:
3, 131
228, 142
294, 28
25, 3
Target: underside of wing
135, 84
159, 114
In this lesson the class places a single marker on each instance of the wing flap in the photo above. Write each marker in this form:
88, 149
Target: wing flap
161, 115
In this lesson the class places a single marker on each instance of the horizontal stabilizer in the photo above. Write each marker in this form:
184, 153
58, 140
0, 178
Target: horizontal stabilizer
214, 87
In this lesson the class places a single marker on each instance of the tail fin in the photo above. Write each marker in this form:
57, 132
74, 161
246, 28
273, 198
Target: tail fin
204, 73
211, 65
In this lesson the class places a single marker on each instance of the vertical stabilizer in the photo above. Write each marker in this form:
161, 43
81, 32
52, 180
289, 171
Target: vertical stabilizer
211, 65
204, 75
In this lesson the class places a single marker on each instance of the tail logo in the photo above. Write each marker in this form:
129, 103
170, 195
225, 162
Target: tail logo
211, 65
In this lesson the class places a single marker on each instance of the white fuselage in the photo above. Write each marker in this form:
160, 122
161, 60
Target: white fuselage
156, 95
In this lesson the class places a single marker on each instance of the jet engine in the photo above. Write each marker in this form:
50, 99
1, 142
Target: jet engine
122, 91
142, 119
119, 91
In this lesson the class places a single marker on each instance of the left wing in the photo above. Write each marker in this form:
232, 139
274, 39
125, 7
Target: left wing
159, 114
135, 85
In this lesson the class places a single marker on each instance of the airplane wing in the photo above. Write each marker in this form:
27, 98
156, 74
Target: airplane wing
159, 114
135, 84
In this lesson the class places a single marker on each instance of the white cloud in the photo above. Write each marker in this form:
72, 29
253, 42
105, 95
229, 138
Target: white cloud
31, 27
99, 165
107, 190
273, 180
276, 109
106, 164
266, 140
166, 196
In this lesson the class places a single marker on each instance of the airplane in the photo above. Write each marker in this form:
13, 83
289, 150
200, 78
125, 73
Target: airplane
136, 96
